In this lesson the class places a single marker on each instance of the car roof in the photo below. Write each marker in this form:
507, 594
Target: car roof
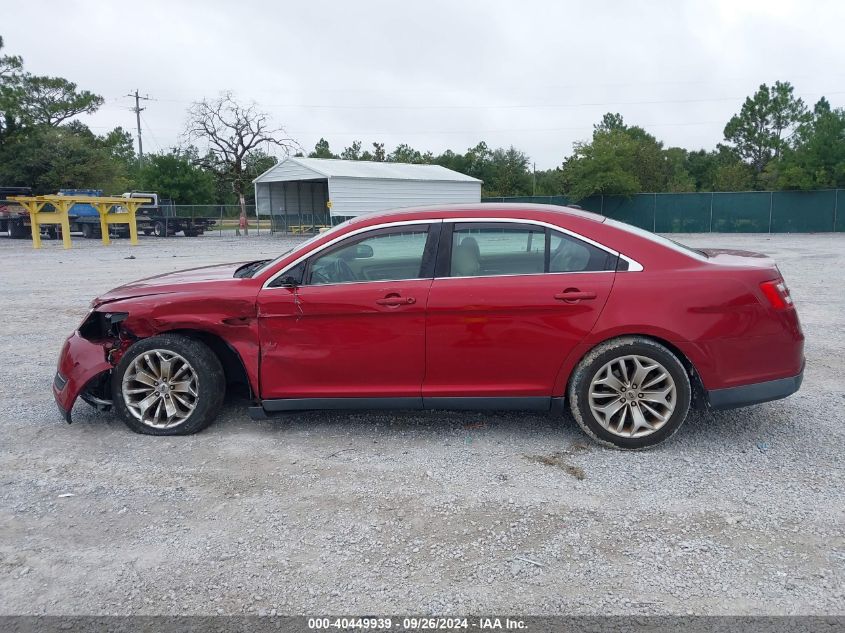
487, 209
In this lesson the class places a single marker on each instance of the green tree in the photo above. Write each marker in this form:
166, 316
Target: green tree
28, 100
758, 133
734, 176
176, 175
678, 177
406, 154
353, 152
54, 100
621, 160
322, 150
603, 166
816, 156
49, 158
509, 174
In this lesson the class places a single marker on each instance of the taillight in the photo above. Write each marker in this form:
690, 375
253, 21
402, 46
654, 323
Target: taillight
777, 293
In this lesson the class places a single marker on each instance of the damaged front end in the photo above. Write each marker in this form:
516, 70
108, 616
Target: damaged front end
87, 359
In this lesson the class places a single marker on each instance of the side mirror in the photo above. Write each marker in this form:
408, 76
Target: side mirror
363, 251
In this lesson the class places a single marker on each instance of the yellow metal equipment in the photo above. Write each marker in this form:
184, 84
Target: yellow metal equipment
61, 205
301, 229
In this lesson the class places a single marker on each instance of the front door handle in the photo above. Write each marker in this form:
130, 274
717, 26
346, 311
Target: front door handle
395, 301
573, 295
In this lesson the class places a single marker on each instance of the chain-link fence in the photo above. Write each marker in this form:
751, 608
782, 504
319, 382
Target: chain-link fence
717, 212
222, 220
723, 212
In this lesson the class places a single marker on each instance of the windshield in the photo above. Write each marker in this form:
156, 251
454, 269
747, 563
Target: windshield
301, 246
654, 237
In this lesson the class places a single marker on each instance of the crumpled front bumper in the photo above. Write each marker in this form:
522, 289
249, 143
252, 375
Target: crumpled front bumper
80, 361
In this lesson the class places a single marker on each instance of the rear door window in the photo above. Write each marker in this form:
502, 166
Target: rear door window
503, 249
491, 249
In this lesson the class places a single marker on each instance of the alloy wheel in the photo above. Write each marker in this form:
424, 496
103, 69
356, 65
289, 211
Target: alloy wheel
632, 396
160, 388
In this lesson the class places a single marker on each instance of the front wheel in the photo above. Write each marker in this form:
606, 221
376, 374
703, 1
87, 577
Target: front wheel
168, 385
630, 393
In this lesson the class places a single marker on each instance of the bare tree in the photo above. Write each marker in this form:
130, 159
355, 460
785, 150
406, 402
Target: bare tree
233, 131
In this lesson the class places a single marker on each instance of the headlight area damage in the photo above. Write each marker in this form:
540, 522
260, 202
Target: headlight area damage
87, 359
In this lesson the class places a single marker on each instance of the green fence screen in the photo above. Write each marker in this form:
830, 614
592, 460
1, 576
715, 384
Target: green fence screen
720, 212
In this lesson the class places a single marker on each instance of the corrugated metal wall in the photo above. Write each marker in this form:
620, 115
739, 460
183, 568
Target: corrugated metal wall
357, 196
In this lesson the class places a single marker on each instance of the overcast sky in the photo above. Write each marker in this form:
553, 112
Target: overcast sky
437, 74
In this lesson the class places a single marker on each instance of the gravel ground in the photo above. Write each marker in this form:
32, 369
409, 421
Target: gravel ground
741, 513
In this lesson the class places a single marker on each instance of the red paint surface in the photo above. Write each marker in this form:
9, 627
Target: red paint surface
504, 336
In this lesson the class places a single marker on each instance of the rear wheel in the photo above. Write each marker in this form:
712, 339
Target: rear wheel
87, 231
159, 229
630, 393
168, 385
17, 230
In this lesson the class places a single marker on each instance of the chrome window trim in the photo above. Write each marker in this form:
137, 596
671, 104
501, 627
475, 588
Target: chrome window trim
633, 265
572, 272
340, 238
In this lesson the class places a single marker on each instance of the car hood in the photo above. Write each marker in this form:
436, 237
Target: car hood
179, 281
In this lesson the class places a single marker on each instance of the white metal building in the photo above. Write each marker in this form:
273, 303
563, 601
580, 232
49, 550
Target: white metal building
320, 191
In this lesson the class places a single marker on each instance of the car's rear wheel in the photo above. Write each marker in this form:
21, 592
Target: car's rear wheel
168, 385
630, 393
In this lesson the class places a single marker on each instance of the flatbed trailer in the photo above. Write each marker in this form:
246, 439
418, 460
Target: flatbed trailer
14, 219
164, 225
159, 219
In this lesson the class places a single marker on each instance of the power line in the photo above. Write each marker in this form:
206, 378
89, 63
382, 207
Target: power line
503, 106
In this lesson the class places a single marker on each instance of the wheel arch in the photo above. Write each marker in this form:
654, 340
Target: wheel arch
232, 362
575, 358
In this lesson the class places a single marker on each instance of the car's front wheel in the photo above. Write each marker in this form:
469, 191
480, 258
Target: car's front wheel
168, 385
630, 393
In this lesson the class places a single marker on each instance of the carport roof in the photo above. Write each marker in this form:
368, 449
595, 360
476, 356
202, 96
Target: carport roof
337, 168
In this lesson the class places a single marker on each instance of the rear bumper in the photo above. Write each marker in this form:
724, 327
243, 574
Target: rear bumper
745, 395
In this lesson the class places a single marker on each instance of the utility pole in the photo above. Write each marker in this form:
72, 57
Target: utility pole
137, 110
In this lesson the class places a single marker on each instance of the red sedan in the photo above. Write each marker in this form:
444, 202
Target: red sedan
457, 307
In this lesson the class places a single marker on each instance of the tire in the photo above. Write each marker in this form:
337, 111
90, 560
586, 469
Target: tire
203, 390
596, 390
159, 229
87, 231
17, 230
148, 231
190, 232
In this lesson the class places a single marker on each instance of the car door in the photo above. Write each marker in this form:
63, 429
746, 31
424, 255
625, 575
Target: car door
508, 303
353, 326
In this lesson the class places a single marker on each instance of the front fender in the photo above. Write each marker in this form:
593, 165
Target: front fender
80, 361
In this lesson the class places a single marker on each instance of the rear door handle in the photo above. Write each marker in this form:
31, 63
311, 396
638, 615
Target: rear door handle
572, 295
396, 301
